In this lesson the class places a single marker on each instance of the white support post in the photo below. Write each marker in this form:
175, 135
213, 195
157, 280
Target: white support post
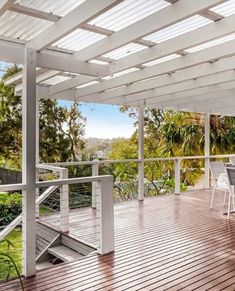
37, 151
105, 217
207, 150
29, 164
177, 176
64, 203
95, 172
141, 153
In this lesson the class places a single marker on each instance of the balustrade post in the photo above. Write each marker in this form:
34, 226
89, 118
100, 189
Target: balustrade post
141, 153
105, 216
207, 149
64, 203
177, 176
37, 153
95, 172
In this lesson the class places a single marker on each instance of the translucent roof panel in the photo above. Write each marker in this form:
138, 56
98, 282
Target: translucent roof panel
99, 62
78, 40
55, 80
120, 73
225, 9
162, 60
124, 51
88, 84
179, 28
211, 43
21, 26
128, 12
57, 7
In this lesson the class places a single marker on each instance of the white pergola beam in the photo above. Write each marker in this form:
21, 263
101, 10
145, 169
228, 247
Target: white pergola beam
178, 76
186, 85
176, 98
218, 103
197, 98
148, 25
14, 53
179, 43
221, 28
70, 84
5, 5
33, 12
70, 22
39, 78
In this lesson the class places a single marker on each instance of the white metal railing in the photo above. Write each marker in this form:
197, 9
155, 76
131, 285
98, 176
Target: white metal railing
95, 179
16, 187
104, 206
177, 167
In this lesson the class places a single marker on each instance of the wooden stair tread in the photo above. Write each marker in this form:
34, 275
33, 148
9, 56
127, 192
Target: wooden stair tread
64, 253
43, 265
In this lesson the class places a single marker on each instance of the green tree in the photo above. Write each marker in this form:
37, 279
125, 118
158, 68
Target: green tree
61, 128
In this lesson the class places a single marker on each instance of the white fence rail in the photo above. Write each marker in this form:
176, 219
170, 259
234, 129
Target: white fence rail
95, 164
99, 184
104, 205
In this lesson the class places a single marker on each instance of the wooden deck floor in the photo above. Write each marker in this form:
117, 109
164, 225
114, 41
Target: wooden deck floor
163, 243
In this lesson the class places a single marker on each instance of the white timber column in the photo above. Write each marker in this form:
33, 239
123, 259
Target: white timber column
207, 149
29, 164
37, 150
141, 152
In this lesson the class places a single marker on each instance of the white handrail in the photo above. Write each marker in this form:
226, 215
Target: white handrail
77, 163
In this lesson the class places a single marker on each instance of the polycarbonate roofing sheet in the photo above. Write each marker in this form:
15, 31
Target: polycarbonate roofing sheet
55, 80
88, 84
162, 60
225, 9
211, 43
127, 13
78, 40
56, 7
120, 73
21, 26
124, 51
178, 28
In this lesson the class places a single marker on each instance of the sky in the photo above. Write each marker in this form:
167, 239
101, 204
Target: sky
102, 121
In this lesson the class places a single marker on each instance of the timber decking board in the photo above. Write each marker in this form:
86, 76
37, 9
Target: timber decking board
164, 243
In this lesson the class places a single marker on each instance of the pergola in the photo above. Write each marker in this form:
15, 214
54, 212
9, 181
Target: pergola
166, 54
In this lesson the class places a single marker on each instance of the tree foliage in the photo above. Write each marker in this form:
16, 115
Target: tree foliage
175, 134
61, 128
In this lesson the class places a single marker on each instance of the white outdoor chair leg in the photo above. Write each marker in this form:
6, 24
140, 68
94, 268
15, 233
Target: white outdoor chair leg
212, 197
229, 206
225, 196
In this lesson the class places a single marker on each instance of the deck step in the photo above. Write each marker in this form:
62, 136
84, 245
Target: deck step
65, 254
43, 265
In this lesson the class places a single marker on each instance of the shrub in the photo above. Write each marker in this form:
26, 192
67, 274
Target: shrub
10, 207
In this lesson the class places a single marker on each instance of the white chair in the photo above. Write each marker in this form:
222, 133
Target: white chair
220, 178
232, 160
231, 179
